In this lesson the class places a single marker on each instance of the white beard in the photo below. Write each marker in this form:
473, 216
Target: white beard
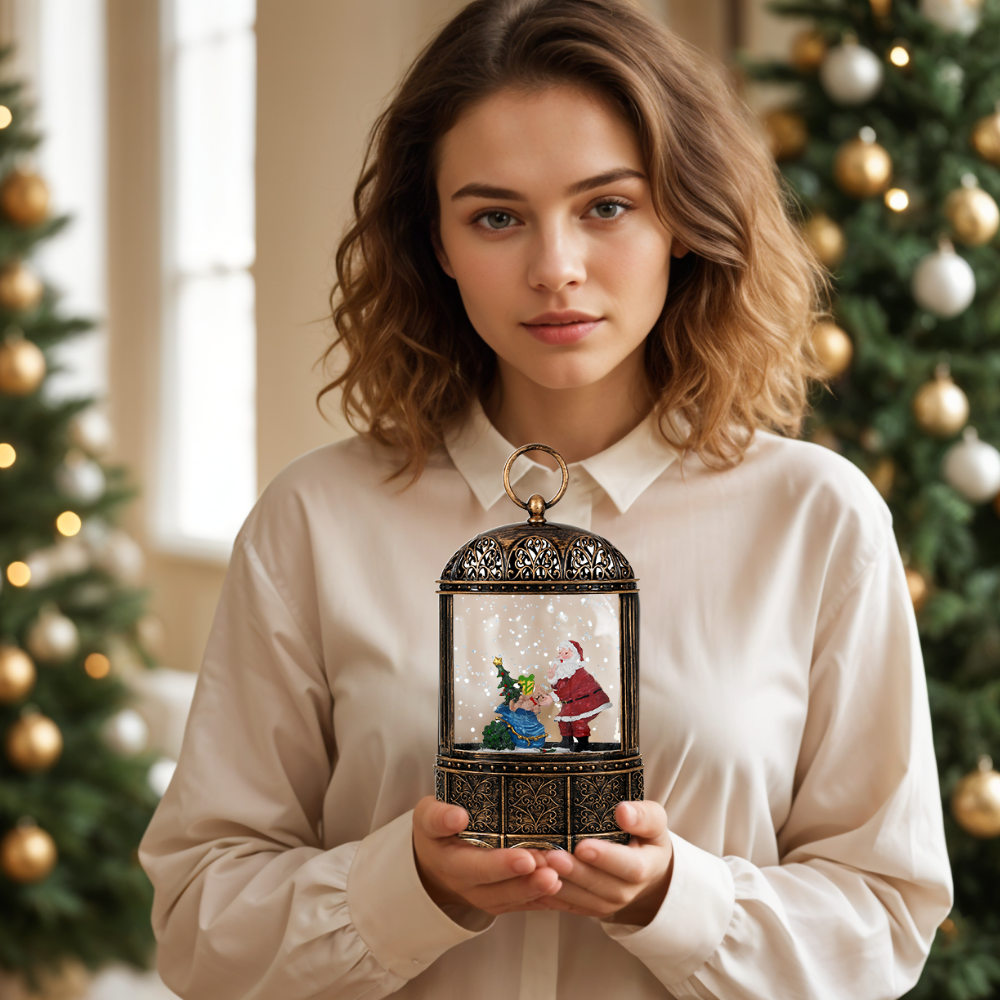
564, 669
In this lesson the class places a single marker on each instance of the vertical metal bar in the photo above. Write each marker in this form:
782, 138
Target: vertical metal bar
446, 657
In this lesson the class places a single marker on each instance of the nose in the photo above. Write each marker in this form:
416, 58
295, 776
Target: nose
557, 259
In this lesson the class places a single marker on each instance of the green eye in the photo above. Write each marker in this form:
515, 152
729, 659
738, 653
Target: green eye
609, 210
498, 220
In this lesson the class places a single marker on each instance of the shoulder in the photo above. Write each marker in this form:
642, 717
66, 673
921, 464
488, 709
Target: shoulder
816, 496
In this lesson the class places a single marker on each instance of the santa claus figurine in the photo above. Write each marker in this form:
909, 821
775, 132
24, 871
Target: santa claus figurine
580, 696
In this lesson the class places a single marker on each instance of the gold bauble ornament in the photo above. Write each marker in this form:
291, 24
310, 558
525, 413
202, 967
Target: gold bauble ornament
985, 138
787, 134
808, 49
917, 585
826, 238
33, 743
976, 801
881, 8
22, 366
24, 198
862, 168
17, 674
973, 214
27, 853
883, 476
833, 347
940, 407
20, 289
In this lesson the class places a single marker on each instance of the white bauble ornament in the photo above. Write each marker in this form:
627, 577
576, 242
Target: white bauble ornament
126, 733
42, 566
53, 638
961, 16
973, 468
122, 557
851, 74
943, 283
160, 775
90, 430
80, 479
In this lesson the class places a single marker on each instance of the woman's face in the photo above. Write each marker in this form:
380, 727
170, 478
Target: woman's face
548, 227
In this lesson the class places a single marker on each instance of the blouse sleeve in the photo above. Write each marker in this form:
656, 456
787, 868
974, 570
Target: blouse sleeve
863, 880
247, 902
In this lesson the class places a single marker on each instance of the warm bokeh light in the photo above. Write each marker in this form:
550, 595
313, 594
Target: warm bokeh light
5, 116
68, 523
18, 574
897, 199
898, 56
97, 665
7, 456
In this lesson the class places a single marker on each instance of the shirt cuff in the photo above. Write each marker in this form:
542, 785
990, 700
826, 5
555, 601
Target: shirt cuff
400, 924
690, 925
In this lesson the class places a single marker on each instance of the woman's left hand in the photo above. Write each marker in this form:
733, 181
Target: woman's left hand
625, 884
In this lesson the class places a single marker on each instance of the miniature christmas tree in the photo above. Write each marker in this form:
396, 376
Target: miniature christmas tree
891, 145
508, 687
74, 797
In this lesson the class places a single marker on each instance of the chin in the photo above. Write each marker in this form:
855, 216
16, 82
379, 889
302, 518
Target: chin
566, 372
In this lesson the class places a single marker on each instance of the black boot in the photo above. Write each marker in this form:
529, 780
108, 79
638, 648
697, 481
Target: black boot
583, 742
567, 743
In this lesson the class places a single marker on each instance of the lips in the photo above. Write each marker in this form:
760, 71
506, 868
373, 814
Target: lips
563, 327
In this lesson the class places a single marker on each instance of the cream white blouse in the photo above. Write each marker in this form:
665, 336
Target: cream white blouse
784, 726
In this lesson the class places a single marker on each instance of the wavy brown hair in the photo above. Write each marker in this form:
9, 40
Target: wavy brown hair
730, 351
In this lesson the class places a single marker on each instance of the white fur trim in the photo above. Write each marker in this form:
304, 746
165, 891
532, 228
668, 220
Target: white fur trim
589, 715
564, 670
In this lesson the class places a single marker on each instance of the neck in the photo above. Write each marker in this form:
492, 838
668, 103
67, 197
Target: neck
578, 422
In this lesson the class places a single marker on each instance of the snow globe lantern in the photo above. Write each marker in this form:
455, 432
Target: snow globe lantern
538, 728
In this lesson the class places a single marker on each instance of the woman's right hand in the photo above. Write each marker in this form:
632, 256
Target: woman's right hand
454, 871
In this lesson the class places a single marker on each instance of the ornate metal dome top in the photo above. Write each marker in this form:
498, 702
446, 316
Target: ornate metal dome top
537, 554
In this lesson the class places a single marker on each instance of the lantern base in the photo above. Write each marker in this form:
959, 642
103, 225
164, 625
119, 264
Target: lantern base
548, 802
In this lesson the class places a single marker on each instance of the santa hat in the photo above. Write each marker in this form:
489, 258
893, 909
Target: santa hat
579, 648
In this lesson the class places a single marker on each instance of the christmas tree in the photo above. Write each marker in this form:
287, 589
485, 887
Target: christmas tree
74, 795
890, 144
509, 689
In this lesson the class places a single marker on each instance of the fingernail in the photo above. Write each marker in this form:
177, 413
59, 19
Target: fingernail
627, 812
454, 819
587, 854
523, 865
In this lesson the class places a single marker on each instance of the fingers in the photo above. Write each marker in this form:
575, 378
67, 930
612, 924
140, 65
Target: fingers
647, 820
437, 820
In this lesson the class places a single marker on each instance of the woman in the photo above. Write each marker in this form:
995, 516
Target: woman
565, 231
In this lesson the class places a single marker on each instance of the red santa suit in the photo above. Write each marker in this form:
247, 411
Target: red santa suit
580, 695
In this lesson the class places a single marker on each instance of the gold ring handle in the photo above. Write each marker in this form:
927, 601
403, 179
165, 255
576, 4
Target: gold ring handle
536, 505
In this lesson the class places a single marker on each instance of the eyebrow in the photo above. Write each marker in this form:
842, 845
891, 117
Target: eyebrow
506, 194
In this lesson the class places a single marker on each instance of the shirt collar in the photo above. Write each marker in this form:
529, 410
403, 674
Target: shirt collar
623, 471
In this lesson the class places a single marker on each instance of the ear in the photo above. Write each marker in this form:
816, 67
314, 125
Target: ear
678, 249
439, 252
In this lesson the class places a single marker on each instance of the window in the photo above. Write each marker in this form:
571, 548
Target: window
207, 478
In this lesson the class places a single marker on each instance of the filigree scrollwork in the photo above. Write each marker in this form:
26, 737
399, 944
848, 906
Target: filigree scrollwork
594, 800
534, 558
480, 797
440, 785
637, 786
482, 560
589, 559
536, 805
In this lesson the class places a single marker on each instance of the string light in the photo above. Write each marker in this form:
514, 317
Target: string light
19, 574
5, 116
899, 56
897, 199
97, 665
7, 456
68, 523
